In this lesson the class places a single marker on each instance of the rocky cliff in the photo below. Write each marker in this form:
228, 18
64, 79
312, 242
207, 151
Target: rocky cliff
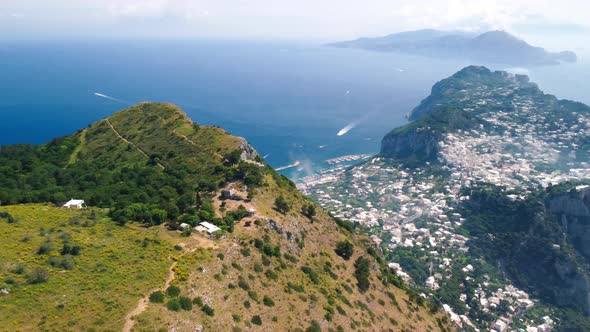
418, 142
416, 145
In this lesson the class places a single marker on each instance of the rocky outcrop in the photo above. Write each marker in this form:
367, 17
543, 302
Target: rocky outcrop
573, 287
418, 145
248, 152
418, 142
573, 212
575, 204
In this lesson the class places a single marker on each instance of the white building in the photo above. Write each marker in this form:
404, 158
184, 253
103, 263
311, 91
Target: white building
184, 226
75, 204
209, 227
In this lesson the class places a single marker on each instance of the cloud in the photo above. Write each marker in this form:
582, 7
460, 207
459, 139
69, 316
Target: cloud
138, 9
13, 15
303, 19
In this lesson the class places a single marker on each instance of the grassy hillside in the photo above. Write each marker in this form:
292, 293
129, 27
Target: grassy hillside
287, 266
284, 270
91, 290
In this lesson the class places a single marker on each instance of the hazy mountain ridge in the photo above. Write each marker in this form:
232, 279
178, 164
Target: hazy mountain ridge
489, 47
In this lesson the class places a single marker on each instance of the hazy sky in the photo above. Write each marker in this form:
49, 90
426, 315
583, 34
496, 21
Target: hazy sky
542, 20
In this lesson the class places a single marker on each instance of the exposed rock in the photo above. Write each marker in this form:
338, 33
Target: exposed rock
416, 145
248, 152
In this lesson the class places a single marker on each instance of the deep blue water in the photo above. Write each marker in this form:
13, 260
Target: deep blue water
286, 99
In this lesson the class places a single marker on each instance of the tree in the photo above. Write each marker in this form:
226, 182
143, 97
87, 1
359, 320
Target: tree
308, 211
256, 320
268, 301
362, 272
281, 205
173, 291
185, 303
208, 310
314, 327
157, 297
344, 249
38, 276
173, 305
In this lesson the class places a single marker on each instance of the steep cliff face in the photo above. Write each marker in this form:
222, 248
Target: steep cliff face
416, 145
418, 142
542, 243
573, 211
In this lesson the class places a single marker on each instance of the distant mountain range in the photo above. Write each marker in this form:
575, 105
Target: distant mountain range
497, 47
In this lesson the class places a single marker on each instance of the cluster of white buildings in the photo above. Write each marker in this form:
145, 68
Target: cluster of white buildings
524, 141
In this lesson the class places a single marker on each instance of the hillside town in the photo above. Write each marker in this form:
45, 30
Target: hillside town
524, 145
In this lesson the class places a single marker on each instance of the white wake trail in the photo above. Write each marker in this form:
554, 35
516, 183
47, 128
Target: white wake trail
102, 95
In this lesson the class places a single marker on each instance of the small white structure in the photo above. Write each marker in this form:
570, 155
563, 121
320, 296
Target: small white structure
75, 204
251, 212
209, 227
184, 226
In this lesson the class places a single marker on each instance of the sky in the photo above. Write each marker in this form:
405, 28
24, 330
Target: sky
549, 21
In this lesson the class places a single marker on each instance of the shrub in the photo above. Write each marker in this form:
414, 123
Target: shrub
362, 272
256, 320
243, 284
65, 262
173, 305
19, 269
185, 303
297, 288
45, 248
38, 275
247, 304
308, 211
237, 266
198, 301
187, 232
290, 258
268, 301
253, 295
237, 318
313, 276
157, 297
344, 249
208, 310
281, 205
245, 252
314, 327
270, 274
69, 249
173, 291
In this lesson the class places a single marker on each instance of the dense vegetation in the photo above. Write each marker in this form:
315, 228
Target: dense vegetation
150, 164
162, 172
526, 238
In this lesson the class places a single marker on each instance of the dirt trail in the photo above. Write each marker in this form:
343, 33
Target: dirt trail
195, 144
143, 303
193, 244
128, 142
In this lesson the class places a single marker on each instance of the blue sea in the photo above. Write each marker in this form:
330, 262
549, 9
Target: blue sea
289, 100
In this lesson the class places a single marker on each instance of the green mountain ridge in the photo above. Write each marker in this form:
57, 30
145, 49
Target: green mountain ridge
278, 262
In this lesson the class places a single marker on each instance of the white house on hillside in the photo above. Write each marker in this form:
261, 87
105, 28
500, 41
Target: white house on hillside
209, 228
75, 204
